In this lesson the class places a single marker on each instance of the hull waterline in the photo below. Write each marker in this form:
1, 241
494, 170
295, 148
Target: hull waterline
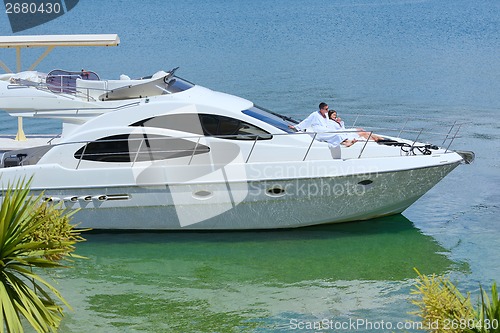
268, 204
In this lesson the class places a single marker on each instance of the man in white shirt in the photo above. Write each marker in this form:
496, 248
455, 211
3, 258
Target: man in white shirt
318, 122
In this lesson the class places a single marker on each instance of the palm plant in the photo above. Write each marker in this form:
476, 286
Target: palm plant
444, 309
441, 304
31, 238
488, 312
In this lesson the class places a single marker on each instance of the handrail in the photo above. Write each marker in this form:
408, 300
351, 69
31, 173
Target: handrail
161, 149
194, 150
60, 88
416, 139
81, 156
136, 153
402, 128
78, 93
251, 150
451, 141
310, 145
451, 128
364, 146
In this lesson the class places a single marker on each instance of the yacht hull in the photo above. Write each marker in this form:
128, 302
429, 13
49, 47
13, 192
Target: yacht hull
258, 204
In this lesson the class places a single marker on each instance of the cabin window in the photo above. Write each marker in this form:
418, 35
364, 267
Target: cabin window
274, 119
208, 125
138, 148
185, 122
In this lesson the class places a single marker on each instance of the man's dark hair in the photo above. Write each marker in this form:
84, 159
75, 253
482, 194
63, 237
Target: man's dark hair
322, 105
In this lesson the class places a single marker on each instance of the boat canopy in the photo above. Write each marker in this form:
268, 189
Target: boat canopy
52, 41
59, 40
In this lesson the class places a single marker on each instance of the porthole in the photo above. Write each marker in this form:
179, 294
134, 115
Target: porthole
51, 199
365, 182
86, 198
71, 199
276, 191
202, 195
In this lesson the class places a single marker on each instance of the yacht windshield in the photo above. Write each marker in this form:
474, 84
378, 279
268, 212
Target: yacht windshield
272, 118
176, 84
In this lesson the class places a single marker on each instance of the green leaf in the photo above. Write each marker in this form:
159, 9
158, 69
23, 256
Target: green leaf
33, 235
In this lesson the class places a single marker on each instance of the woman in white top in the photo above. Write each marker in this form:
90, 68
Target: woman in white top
354, 134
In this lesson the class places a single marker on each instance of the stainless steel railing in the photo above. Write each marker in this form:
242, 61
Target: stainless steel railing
135, 149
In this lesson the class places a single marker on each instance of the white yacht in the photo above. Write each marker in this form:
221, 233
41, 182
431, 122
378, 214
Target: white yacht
162, 153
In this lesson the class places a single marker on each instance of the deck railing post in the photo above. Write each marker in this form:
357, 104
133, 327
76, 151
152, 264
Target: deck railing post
194, 150
448, 134
81, 156
251, 150
452, 139
356, 120
366, 142
309, 148
402, 128
137, 152
415, 141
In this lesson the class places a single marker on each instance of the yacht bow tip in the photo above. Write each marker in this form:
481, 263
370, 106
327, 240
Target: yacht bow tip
467, 156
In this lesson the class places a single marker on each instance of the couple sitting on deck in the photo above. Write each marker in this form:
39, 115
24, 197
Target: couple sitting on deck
331, 129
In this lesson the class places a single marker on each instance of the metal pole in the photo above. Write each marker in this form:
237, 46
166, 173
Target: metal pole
44, 54
366, 142
251, 150
20, 136
20, 132
307, 152
447, 135
194, 150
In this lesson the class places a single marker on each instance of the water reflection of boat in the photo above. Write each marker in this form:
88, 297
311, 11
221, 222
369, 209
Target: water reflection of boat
382, 249
246, 279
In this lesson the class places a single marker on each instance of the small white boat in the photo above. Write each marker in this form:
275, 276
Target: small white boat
163, 153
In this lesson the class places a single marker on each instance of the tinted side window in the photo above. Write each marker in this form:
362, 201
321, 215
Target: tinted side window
138, 147
207, 124
185, 122
277, 120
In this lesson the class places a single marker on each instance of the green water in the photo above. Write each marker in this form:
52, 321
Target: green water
243, 281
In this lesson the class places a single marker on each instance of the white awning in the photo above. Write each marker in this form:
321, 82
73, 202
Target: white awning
50, 42
59, 40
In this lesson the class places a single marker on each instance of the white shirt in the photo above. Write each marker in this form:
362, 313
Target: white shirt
316, 123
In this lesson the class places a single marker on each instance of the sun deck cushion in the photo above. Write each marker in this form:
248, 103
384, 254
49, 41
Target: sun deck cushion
26, 77
90, 88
